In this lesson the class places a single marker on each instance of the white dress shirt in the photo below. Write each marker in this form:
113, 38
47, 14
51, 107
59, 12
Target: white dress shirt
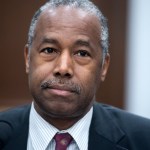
41, 133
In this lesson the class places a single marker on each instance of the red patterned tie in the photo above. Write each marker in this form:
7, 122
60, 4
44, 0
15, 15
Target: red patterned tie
62, 141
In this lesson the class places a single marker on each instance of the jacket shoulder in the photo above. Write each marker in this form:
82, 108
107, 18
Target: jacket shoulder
12, 121
124, 118
14, 114
136, 128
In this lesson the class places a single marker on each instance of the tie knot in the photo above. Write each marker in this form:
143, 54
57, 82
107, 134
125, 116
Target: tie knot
62, 140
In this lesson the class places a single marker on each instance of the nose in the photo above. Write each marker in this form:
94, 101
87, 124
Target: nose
64, 66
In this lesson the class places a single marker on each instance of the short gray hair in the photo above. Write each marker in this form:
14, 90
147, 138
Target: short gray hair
85, 5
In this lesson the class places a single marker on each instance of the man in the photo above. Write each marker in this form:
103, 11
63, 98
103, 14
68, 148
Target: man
66, 59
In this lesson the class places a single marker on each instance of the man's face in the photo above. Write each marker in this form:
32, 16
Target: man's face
65, 62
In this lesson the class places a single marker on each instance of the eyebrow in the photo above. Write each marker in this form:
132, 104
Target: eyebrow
50, 41
82, 43
79, 42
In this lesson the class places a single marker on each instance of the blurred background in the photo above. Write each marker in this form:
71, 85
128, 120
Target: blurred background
127, 85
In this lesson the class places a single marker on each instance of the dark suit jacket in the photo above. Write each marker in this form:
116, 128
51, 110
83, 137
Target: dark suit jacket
111, 129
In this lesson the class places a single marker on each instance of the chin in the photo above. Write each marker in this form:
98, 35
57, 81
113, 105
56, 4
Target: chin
58, 109
74, 113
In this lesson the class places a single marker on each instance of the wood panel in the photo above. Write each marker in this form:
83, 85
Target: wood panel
112, 90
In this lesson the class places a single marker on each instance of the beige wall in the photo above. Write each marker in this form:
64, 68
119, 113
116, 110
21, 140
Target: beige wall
15, 18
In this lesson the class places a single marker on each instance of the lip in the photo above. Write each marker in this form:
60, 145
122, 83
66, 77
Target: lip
60, 90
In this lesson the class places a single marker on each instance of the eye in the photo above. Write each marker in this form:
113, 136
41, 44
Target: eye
48, 50
83, 53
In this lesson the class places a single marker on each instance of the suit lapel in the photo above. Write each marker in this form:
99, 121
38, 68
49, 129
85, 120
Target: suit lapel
104, 133
20, 133
20, 141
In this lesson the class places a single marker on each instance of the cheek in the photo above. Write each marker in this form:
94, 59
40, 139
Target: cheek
37, 73
41, 69
88, 78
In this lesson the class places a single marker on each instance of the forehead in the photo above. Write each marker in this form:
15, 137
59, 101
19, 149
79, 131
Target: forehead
68, 12
67, 16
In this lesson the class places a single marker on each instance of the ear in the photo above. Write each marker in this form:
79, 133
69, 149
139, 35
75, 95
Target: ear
26, 57
105, 66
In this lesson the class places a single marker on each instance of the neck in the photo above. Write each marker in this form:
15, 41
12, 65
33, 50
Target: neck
60, 122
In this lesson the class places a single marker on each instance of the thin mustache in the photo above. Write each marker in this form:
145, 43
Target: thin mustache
63, 83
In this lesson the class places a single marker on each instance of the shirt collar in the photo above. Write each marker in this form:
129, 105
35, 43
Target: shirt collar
42, 132
80, 130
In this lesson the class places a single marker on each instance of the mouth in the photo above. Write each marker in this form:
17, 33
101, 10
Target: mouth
60, 90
